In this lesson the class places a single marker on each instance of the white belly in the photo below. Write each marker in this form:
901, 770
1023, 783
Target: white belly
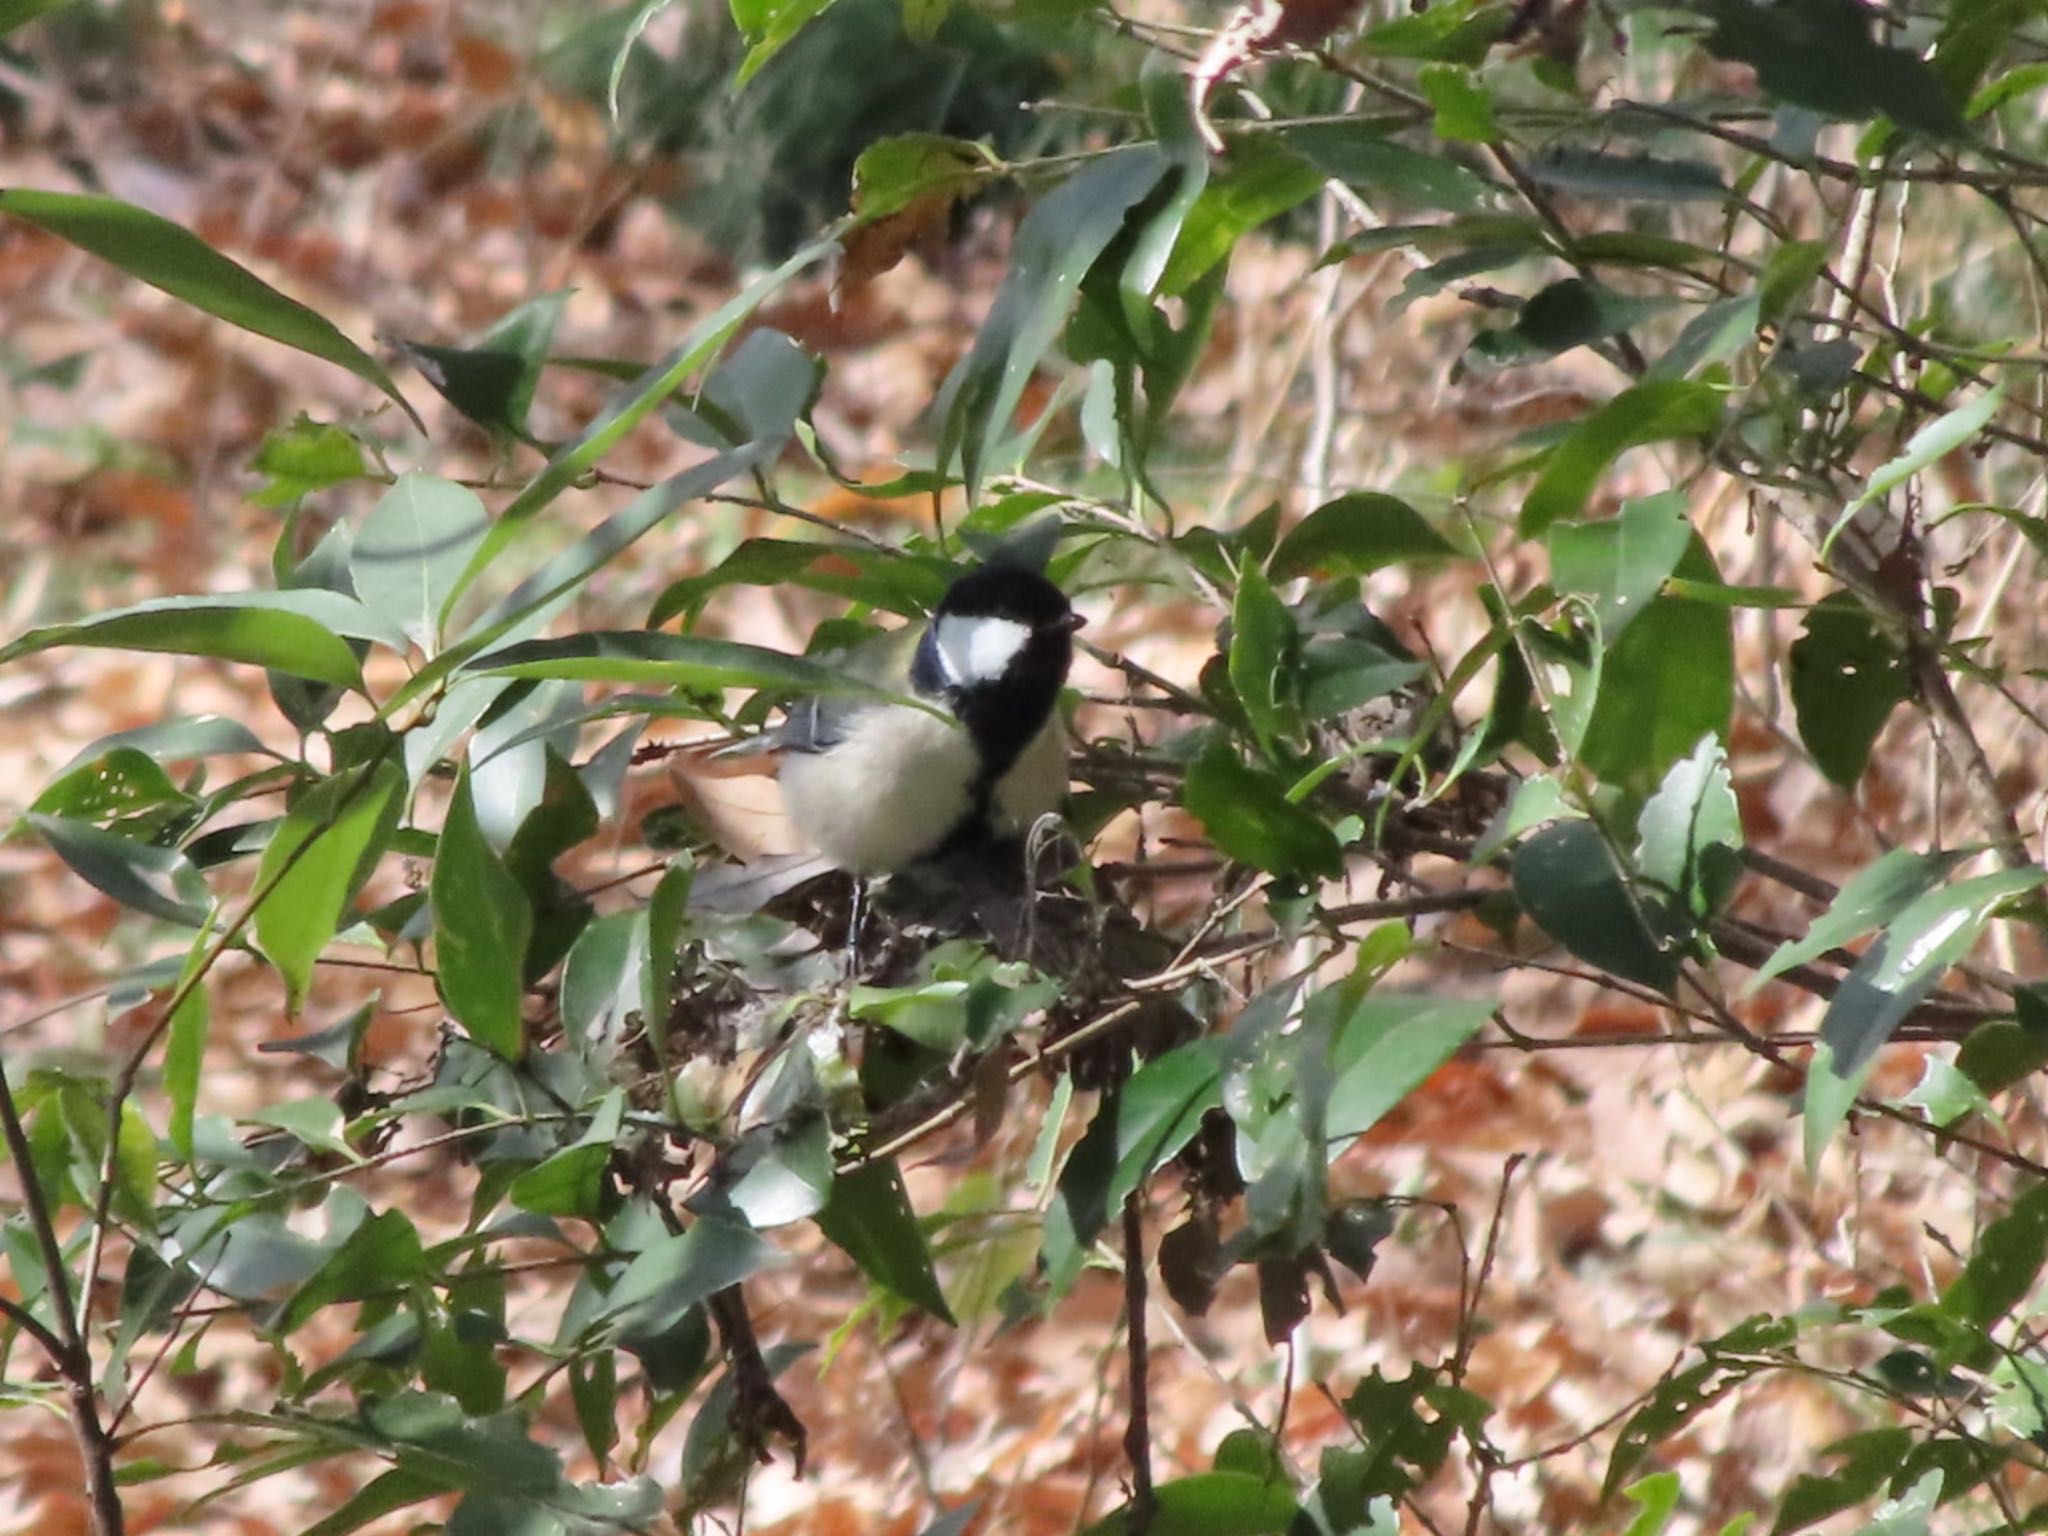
902, 780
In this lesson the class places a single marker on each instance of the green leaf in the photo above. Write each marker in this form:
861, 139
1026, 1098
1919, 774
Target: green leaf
1657, 410
2001, 1053
1875, 895
295, 632
890, 580
1819, 54
377, 1498
571, 1182
674, 1274
158, 881
1622, 562
185, 1049
1655, 1498
1464, 107
318, 859
1689, 835
602, 978
1869, 1462
491, 380
305, 457
1211, 1504
868, 1217
1356, 535
1386, 1045
1055, 246
1249, 817
2005, 1265
1669, 680
1259, 180
624, 412
1568, 881
1263, 643
1847, 678
767, 26
907, 168
166, 256
481, 926
670, 661
411, 550
17, 13
1158, 1111
1932, 443
1933, 932
1359, 154
1630, 178
382, 1255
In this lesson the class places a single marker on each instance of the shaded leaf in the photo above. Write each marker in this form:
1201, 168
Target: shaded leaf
481, 926
1249, 817
1568, 881
1847, 677
412, 548
1654, 411
868, 1217
315, 863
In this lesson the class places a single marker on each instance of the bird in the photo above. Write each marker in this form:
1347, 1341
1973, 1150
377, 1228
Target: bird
878, 787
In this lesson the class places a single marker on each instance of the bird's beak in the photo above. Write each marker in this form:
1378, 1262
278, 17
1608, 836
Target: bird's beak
1070, 622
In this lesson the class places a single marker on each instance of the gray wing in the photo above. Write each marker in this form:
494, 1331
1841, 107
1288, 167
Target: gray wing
817, 724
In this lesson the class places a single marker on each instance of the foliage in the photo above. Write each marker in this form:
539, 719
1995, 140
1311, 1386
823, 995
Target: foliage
459, 739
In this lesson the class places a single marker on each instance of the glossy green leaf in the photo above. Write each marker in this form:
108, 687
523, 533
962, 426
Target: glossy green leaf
1356, 535
1359, 153
2005, 1264
1655, 411
481, 926
1875, 895
166, 256
892, 581
1568, 881
1054, 248
652, 658
1932, 443
305, 457
300, 633
571, 1182
1248, 816
1668, 681
1689, 835
185, 1048
158, 881
412, 548
621, 414
1159, 1110
1464, 107
677, 1273
1211, 1504
1260, 179
491, 379
1930, 935
906, 168
315, 863
868, 1217
1262, 648
1621, 562
767, 26
1385, 1045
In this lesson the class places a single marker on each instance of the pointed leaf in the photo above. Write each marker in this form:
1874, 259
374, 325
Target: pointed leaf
166, 256
315, 863
481, 926
413, 546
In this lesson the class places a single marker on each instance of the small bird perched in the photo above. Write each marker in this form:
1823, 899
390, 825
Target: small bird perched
876, 787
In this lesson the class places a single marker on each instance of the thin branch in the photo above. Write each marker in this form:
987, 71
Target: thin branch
66, 1341
1138, 1432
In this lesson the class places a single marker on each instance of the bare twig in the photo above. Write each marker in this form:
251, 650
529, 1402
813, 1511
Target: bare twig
1138, 1432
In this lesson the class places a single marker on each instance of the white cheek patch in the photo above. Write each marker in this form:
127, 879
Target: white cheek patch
979, 650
